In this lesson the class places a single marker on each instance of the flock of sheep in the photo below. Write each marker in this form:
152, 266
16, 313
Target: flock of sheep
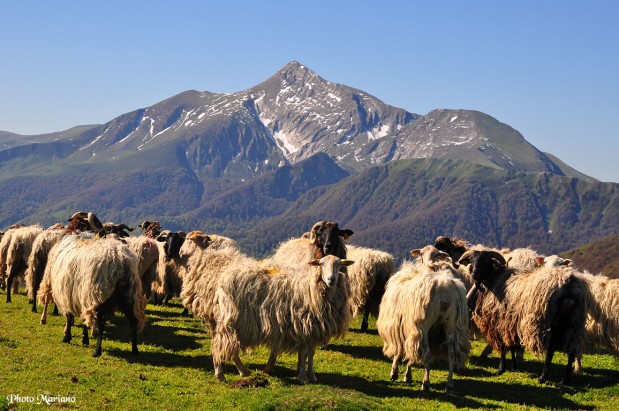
308, 291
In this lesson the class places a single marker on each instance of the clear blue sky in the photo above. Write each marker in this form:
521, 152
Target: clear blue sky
550, 69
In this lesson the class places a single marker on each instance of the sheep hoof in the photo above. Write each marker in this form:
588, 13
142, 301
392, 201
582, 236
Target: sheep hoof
221, 378
449, 389
500, 371
542, 379
364, 327
134, 351
66, 340
425, 387
43, 322
97, 353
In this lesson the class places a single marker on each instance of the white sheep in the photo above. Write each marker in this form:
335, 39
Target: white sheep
37, 260
91, 279
289, 310
5, 241
422, 314
367, 278
602, 325
18, 253
147, 251
170, 272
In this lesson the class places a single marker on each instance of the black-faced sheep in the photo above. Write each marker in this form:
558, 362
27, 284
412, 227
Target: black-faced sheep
290, 310
542, 310
18, 253
91, 279
423, 314
325, 238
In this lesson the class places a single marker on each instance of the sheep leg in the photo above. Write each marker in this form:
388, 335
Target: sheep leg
44, 315
243, 370
408, 376
578, 364
9, 284
67, 329
394, 369
501, 368
101, 328
268, 369
486, 352
425, 384
451, 359
34, 300
310, 365
567, 376
544, 377
301, 361
514, 358
85, 339
364, 322
55, 310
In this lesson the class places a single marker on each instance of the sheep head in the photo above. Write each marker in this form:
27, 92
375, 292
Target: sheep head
172, 243
554, 261
78, 221
455, 248
151, 229
431, 257
330, 268
485, 265
324, 235
194, 240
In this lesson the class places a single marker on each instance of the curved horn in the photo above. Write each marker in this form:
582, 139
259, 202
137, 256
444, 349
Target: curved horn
466, 258
94, 222
470, 296
315, 229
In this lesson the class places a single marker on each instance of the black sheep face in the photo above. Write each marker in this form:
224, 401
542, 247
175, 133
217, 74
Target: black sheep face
172, 245
328, 238
451, 247
485, 266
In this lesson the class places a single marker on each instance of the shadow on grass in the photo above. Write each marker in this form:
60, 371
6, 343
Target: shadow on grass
164, 336
163, 359
356, 351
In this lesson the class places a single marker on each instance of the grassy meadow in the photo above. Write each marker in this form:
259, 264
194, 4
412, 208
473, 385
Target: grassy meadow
174, 372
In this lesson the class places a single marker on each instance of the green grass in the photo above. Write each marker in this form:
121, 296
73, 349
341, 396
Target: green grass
174, 372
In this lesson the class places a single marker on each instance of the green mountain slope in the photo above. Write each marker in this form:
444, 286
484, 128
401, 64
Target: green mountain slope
598, 257
406, 204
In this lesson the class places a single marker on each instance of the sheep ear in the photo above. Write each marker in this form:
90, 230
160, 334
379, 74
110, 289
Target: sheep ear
345, 233
416, 252
206, 240
346, 263
540, 260
567, 262
466, 258
314, 262
496, 264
